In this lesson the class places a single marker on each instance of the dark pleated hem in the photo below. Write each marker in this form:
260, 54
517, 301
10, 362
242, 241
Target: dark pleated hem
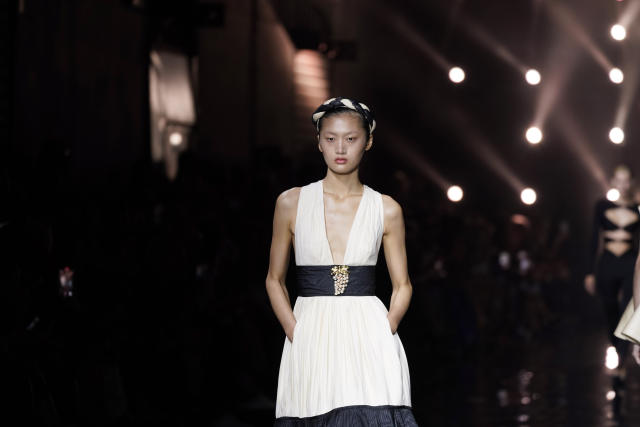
355, 416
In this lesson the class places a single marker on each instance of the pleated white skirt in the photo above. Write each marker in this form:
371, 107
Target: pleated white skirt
343, 353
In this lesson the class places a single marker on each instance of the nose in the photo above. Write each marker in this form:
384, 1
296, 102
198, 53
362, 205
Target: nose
340, 147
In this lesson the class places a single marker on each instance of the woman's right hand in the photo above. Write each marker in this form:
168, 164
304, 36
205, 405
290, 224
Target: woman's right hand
590, 284
636, 353
289, 332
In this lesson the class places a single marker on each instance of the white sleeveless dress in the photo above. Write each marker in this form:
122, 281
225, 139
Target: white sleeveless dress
344, 366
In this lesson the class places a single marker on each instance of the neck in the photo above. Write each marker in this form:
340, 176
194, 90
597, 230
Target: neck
342, 184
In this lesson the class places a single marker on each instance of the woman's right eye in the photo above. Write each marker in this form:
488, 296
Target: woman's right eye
330, 138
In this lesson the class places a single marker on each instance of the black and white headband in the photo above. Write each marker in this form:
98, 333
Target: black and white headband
340, 102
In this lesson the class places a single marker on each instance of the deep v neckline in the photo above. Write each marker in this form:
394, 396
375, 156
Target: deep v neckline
353, 223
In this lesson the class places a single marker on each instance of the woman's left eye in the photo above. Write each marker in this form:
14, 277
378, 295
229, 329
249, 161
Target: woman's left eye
350, 139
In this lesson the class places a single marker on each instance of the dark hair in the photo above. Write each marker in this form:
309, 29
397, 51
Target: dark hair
346, 110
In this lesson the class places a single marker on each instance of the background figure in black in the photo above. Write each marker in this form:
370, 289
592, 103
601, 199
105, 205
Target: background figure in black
617, 222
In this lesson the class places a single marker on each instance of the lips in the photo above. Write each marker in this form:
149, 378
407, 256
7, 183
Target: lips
341, 160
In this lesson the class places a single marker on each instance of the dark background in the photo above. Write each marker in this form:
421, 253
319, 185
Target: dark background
170, 323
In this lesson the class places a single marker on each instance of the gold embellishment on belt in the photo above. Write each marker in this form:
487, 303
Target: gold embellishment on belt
340, 274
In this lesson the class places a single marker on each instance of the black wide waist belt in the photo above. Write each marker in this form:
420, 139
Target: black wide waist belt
348, 280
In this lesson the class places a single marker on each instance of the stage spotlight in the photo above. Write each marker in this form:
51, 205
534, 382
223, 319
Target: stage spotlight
175, 139
616, 75
613, 195
454, 193
534, 135
533, 77
172, 106
528, 196
616, 135
456, 74
611, 360
618, 32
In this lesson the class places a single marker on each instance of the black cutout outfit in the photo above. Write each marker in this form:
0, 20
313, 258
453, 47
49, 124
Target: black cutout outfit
614, 274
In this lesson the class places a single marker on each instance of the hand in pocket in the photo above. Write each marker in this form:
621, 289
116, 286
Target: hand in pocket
393, 327
292, 335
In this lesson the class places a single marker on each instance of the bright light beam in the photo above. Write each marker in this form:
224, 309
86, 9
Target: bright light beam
630, 13
628, 90
410, 155
500, 50
562, 61
482, 148
565, 18
494, 46
403, 27
577, 141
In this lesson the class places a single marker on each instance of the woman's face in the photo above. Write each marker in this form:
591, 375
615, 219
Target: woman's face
342, 141
622, 181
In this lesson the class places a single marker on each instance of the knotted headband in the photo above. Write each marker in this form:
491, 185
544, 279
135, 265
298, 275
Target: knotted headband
340, 102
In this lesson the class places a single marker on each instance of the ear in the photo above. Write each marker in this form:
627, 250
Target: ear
319, 146
369, 143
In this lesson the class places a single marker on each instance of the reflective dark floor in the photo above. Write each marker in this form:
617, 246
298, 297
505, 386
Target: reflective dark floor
555, 377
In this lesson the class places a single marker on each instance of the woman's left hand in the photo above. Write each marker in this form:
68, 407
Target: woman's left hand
392, 325
636, 353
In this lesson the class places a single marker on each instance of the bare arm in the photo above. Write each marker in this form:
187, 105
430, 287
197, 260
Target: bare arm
636, 284
283, 217
636, 302
395, 253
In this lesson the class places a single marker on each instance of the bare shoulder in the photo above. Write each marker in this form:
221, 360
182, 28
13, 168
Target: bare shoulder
392, 209
287, 203
393, 219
